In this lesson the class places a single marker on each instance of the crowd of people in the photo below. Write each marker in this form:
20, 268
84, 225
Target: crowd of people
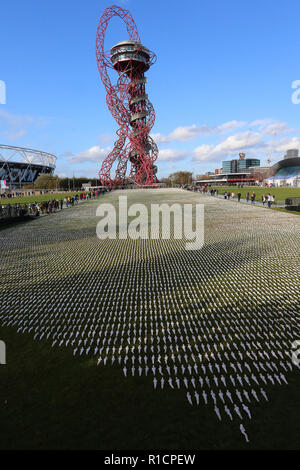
267, 199
45, 207
199, 189
6, 196
13, 210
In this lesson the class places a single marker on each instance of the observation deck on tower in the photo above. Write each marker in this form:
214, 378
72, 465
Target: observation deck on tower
129, 56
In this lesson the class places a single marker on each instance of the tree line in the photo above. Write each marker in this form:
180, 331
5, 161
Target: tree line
64, 184
55, 182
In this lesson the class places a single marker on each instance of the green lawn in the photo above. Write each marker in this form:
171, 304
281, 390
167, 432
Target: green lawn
280, 193
50, 400
38, 199
58, 279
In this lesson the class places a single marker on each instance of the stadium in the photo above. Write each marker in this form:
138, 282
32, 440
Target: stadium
286, 172
21, 166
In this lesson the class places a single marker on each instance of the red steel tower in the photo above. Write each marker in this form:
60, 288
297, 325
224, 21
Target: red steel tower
128, 103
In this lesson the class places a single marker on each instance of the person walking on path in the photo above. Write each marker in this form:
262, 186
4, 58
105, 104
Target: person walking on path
271, 199
247, 197
239, 196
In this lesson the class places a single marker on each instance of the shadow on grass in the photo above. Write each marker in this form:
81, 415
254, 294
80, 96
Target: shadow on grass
49, 400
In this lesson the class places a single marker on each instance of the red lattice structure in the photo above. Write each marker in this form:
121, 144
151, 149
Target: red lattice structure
128, 103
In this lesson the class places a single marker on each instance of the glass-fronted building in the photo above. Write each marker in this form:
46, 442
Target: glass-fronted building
226, 167
244, 164
240, 165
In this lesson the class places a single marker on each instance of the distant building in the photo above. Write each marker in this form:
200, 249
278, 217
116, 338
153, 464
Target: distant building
230, 179
228, 167
287, 171
86, 186
20, 167
259, 173
241, 165
292, 153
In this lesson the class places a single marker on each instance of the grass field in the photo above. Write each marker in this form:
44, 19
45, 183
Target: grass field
75, 311
280, 193
32, 199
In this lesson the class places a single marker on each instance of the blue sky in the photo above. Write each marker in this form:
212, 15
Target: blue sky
222, 82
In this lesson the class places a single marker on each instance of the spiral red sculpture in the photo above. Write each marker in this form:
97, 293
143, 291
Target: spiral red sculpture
128, 103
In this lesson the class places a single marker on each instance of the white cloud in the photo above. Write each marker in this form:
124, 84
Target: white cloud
94, 154
261, 140
171, 155
229, 147
261, 123
277, 128
252, 143
230, 126
185, 133
284, 144
267, 126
